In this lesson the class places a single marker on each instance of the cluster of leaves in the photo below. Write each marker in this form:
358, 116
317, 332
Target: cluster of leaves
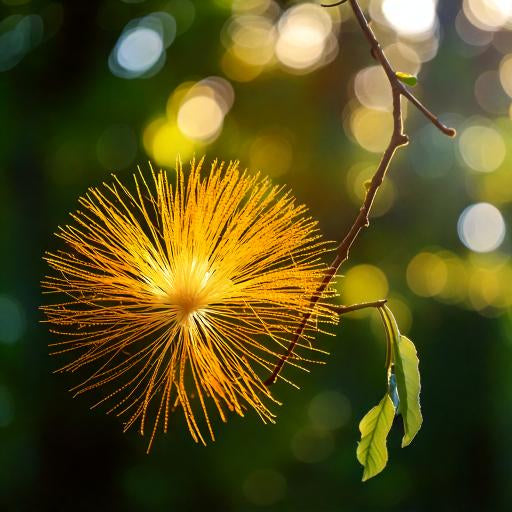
401, 397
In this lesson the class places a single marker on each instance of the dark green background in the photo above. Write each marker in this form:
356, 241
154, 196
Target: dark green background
56, 455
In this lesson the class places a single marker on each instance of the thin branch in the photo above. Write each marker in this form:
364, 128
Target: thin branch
335, 4
342, 310
397, 140
427, 113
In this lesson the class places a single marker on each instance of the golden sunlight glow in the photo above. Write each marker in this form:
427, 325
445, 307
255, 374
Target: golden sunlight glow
250, 6
455, 287
482, 148
410, 18
404, 57
203, 107
164, 140
304, 31
200, 117
484, 288
402, 313
251, 39
371, 128
183, 293
427, 274
488, 14
238, 70
273, 152
194, 117
363, 283
506, 74
372, 88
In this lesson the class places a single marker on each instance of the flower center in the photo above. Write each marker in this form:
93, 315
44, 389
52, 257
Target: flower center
189, 293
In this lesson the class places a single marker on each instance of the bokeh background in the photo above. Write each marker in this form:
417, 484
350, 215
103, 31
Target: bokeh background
93, 87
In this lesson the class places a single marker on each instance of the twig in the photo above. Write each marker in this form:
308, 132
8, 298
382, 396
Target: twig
397, 140
335, 4
341, 310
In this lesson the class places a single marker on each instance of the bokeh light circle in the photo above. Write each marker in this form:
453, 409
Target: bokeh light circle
303, 33
363, 283
488, 14
410, 17
505, 74
139, 49
482, 148
427, 274
200, 117
481, 227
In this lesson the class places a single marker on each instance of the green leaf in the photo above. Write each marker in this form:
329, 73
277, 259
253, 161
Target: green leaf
409, 382
406, 78
372, 451
406, 364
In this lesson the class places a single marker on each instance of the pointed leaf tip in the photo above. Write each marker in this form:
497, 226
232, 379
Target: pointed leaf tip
372, 451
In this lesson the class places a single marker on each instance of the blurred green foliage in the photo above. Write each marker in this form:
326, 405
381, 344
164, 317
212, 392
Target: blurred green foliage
67, 121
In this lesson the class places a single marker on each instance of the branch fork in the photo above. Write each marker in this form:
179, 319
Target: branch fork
397, 140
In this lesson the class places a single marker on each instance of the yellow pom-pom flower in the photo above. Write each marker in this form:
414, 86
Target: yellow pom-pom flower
185, 292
